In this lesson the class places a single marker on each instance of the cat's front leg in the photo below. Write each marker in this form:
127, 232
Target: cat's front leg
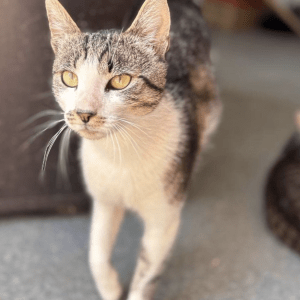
106, 220
161, 226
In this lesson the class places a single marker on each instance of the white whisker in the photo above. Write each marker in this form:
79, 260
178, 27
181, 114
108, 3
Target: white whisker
50, 145
44, 113
106, 140
131, 140
63, 158
131, 123
43, 95
143, 141
47, 125
113, 142
119, 148
44, 127
138, 136
121, 133
136, 126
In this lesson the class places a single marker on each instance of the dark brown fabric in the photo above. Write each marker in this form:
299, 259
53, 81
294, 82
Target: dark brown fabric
25, 89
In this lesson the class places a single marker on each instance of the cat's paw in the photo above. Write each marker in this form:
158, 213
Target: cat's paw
114, 293
136, 296
109, 286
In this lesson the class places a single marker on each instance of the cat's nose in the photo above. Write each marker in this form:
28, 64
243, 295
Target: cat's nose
85, 116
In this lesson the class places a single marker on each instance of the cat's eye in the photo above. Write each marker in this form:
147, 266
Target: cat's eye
69, 79
120, 82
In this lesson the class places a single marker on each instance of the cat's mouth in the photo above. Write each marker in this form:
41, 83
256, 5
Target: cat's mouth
87, 127
96, 127
89, 132
92, 134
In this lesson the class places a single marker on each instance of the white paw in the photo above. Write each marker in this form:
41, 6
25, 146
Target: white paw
113, 294
135, 296
109, 286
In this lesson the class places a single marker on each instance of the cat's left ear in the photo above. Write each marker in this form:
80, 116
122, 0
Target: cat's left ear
60, 22
153, 24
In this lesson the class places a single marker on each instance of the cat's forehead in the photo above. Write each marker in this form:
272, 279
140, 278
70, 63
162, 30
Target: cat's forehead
81, 47
104, 48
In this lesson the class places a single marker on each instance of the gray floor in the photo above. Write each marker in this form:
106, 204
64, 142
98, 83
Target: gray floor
224, 251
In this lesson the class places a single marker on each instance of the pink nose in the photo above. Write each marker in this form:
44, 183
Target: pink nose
85, 116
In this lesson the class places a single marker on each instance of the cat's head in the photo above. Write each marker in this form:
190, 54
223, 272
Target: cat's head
102, 78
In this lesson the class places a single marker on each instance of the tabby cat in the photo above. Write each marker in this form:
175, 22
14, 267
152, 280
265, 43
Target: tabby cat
144, 102
283, 193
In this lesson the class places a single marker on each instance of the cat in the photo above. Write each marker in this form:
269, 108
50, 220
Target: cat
282, 193
144, 102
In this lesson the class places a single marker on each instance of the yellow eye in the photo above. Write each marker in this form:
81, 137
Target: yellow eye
70, 79
120, 82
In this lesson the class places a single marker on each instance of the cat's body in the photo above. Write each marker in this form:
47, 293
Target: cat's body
141, 142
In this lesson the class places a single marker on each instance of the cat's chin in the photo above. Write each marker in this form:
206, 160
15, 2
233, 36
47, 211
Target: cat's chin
91, 135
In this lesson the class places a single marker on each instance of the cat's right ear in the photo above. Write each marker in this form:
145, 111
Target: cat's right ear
153, 24
60, 22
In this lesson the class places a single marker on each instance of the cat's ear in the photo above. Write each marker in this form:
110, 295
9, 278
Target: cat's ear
60, 22
153, 23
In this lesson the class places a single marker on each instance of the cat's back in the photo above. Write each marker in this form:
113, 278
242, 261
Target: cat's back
189, 40
190, 79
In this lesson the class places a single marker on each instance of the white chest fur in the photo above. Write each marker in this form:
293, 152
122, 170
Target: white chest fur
130, 164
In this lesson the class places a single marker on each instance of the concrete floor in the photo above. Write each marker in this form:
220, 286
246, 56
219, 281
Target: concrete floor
224, 250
